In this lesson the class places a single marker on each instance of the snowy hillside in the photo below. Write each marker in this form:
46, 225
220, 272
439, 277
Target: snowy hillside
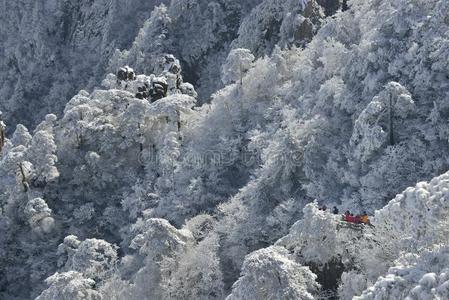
403, 254
198, 172
51, 49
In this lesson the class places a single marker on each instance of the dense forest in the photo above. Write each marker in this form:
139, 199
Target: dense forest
193, 149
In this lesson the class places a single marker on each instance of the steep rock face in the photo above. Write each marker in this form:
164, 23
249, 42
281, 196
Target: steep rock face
51, 49
229, 24
281, 23
198, 32
331, 6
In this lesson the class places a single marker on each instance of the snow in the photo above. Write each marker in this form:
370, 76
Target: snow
411, 279
53, 49
155, 188
303, 3
270, 274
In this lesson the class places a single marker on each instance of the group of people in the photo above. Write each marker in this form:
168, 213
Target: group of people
349, 217
357, 219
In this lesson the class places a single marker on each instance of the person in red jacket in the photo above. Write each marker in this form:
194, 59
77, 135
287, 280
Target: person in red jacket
346, 216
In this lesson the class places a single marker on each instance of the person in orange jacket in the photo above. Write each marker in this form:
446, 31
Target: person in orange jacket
364, 218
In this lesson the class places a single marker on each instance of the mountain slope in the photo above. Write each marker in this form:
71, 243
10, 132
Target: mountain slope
163, 198
52, 49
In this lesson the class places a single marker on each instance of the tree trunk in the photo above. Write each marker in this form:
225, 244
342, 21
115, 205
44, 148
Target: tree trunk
2, 137
140, 142
241, 75
24, 179
390, 121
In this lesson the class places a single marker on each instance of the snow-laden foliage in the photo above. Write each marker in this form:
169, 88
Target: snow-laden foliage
151, 42
69, 285
418, 217
137, 192
413, 227
239, 61
423, 276
39, 216
196, 273
94, 258
47, 178
412, 241
51, 49
283, 23
198, 32
270, 274
402, 254
335, 250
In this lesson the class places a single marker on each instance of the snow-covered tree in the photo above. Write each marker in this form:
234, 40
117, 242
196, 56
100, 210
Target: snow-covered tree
283, 23
270, 274
158, 241
151, 42
237, 64
93, 258
392, 105
39, 216
42, 151
70, 285
414, 276
195, 274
